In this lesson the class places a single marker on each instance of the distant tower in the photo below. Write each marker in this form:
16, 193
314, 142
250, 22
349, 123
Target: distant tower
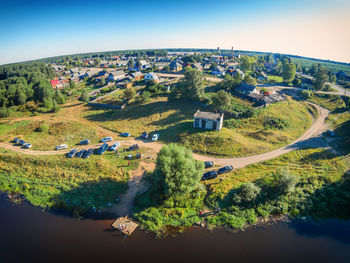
218, 50
232, 51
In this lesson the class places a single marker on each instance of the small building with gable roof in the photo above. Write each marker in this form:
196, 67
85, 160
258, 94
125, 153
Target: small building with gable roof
208, 120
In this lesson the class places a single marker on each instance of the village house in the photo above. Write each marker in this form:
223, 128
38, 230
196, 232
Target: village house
197, 66
161, 65
218, 71
152, 76
262, 76
125, 83
246, 89
266, 98
208, 120
137, 75
116, 75
175, 66
144, 64
90, 73
239, 72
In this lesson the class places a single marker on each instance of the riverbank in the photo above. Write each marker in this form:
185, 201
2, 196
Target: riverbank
49, 237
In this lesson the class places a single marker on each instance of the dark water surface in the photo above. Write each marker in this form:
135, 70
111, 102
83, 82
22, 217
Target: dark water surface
29, 235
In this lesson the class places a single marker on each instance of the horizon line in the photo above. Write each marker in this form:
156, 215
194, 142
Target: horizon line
146, 49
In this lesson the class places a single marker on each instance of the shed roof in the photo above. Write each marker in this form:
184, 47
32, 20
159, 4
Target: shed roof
207, 115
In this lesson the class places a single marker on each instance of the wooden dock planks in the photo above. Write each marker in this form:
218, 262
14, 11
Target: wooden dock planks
125, 225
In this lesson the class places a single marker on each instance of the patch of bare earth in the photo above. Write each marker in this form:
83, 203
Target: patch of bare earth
136, 185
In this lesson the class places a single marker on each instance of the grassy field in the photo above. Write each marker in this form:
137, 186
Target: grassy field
174, 122
330, 102
64, 131
251, 135
76, 184
275, 79
321, 191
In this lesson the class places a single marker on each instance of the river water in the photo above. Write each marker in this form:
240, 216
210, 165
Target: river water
30, 235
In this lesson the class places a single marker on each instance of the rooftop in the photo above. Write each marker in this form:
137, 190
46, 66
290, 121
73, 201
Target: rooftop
207, 115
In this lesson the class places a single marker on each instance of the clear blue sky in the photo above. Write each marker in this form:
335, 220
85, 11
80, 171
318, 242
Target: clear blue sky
36, 29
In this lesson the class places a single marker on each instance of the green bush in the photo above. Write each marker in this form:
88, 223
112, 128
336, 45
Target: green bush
275, 123
285, 181
246, 194
44, 127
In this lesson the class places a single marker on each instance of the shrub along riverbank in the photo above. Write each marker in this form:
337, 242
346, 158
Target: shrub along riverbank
301, 183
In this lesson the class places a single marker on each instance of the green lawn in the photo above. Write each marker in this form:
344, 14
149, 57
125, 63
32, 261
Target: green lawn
275, 79
330, 102
64, 131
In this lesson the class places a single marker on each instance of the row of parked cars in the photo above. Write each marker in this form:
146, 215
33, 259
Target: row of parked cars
214, 173
100, 150
26, 145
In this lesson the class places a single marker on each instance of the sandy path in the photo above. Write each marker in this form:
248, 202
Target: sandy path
136, 185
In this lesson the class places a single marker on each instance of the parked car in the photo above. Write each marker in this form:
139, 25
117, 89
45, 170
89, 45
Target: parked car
209, 175
155, 137
80, 153
114, 147
107, 139
129, 157
61, 146
102, 149
85, 142
88, 153
16, 140
125, 134
144, 135
134, 147
21, 142
225, 169
27, 145
72, 153
208, 164
330, 133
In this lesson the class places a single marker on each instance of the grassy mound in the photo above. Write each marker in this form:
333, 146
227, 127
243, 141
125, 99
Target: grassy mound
270, 128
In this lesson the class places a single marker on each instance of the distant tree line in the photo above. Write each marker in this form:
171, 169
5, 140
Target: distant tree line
23, 83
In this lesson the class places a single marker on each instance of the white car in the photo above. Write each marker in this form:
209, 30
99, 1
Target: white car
61, 146
114, 147
155, 137
27, 145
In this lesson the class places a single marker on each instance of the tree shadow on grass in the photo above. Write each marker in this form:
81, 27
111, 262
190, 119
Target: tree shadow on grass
87, 200
343, 142
184, 110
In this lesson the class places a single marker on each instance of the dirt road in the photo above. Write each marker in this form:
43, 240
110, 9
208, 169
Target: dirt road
309, 138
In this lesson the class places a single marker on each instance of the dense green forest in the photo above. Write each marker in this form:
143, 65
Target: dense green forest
24, 83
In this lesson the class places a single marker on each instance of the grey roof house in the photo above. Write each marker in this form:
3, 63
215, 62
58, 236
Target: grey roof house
246, 89
208, 120
116, 75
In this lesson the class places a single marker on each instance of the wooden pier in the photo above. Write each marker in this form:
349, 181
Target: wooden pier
125, 225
